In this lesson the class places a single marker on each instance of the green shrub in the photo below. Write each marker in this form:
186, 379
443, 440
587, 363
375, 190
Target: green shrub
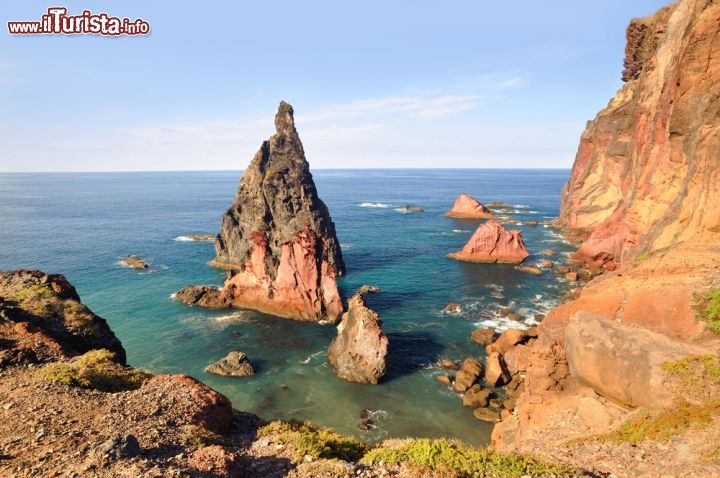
198, 437
445, 454
78, 318
708, 308
96, 370
660, 424
37, 300
305, 439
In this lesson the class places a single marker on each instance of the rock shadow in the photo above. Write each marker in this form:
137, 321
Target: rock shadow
409, 352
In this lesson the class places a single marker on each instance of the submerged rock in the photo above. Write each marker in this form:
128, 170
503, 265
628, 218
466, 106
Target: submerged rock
235, 364
536, 271
467, 207
409, 208
200, 237
277, 238
359, 350
491, 243
135, 262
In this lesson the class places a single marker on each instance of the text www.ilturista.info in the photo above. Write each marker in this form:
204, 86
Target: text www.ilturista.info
57, 22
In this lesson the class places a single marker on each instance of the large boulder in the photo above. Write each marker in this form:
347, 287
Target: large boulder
277, 239
469, 373
234, 364
203, 296
490, 243
42, 319
359, 350
496, 372
467, 207
620, 362
507, 340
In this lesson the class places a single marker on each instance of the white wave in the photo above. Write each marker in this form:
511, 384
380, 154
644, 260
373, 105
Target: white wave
183, 239
346, 245
520, 206
460, 231
240, 316
373, 204
311, 356
173, 296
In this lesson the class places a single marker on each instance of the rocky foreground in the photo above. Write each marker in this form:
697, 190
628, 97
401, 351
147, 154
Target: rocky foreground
70, 406
624, 376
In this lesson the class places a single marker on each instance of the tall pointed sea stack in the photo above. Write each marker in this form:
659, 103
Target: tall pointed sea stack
277, 239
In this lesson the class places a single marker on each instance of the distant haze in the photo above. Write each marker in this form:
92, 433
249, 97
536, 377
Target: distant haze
407, 84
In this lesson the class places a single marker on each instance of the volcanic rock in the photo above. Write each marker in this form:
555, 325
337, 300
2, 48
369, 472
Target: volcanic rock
359, 350
483, 336
496, 372
202, 295
490, 243
235, 364
467, 207
277, 238
135, 262
42, 319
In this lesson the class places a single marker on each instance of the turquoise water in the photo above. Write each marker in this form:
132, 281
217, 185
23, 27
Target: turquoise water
82, 224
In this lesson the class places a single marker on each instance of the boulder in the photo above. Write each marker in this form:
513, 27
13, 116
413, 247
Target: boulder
571, 276
359, 350
545, 263
203, 296
536, 271
444, 380
620, 362
476, 397
492, 243
548, 252
483, 336
234, 364
277, 239
469, 373
452, 308
507, 340
486, 415
409, 208
496, 372
448, 364
135, 262
467, 207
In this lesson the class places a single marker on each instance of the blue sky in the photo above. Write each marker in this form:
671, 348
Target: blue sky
374, 84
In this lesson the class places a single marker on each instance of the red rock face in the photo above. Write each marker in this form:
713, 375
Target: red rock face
646, 176
277, 238
468, 207
303, 288
490, 243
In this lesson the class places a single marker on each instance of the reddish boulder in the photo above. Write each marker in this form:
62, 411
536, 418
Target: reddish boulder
469, 373
496, 372
507, 340
467, 207
358, 351
491, 243
216, 460
483, 336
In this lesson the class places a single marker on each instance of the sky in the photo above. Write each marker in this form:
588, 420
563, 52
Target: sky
374, 84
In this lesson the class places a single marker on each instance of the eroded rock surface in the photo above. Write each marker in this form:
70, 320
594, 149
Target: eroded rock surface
467, 207
490, 243
277, 239
42, 319
359, 350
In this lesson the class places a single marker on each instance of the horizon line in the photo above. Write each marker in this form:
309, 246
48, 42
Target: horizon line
311, 170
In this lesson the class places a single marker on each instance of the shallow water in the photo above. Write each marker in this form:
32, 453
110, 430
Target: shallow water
82, 224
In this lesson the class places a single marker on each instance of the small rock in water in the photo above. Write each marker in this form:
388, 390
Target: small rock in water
365, 424
545, 263
547, 252
486, 415
135, 262
409, 208
444, 380
448, 364
483, 336
452, 308
235, 364
529, 270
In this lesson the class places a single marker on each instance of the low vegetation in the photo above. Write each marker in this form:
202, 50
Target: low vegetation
708, 309
37, 300
660, 424
95, 370
699, 374
306, 439
453, 458
78, 318
198, 437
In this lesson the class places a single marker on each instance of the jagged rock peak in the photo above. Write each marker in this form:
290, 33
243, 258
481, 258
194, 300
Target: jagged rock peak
278, 237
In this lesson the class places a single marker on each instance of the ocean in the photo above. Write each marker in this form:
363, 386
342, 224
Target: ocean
82, 224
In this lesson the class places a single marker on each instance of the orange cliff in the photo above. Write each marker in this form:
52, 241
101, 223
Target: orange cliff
645, 191
493, 243
467, 207
277, 239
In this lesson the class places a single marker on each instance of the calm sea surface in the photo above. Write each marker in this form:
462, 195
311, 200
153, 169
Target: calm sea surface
81, 225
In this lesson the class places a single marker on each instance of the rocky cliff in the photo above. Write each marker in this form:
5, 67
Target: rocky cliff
644, 192
277, 238
646, 174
